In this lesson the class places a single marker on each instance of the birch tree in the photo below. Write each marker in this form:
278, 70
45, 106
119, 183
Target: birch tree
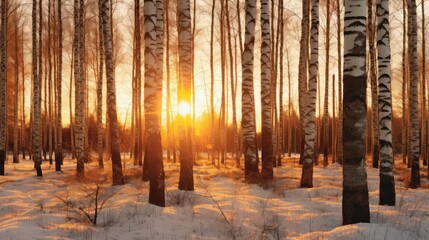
100, 87
310, 114
374, 85
37, 157
414, 98
326, 124
355, 204
340, 89
111, 97
212, 112
3, 90
186, 179
404, 85
387, 181
424, 103
79, 91
280, 28
16, 98
58, 150
266, 107
248, 125
137, 84
153, 98
302, 72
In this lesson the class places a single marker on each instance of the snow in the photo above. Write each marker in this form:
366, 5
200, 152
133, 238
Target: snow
221, 207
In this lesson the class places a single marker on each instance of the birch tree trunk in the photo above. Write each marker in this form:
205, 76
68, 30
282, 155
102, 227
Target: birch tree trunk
100, 87
83, 74
310, 114
302, 72
222, 118
266, 107
49, 89
72, 122
289, 108
327, 74
16, 100
153, 98
168, 100
414, 97
409, 101
138, 144
387, 181
79, 93
58, 150
273, 78
424, 103
236, 153
355, 203
374, 85
334, 124
404, 86
212, 112
37, 157
23, 126
111, 98
248, 125
40, 69
340, 89
281, 106
186, 179
326, 124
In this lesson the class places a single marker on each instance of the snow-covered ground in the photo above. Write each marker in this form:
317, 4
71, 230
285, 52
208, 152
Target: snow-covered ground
221, 207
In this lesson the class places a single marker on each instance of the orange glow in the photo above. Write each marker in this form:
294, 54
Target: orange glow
183, 108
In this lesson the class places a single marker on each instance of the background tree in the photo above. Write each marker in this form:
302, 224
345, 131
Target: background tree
281, 136
310, 114
100, 87
326, 103
37, 157
137, 84
79, 89
233, 86
186, 179
111, 98
326, 123
424, 103
374, 85
340, 92
212, 111
404, 85
18, 53
266, 107
3, 90
58, 150
414, 97
302, 72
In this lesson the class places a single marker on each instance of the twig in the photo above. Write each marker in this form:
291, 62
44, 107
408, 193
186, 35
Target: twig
220, 209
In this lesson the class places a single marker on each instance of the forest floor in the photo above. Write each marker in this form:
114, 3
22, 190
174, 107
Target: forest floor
222, 206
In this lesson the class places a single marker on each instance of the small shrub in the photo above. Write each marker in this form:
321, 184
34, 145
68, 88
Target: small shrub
88, 205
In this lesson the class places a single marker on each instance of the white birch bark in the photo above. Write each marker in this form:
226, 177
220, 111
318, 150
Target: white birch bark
310, 113
248, 99
414, 97
355, 206
387, 182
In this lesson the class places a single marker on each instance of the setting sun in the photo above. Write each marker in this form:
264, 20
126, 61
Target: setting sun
183, 108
